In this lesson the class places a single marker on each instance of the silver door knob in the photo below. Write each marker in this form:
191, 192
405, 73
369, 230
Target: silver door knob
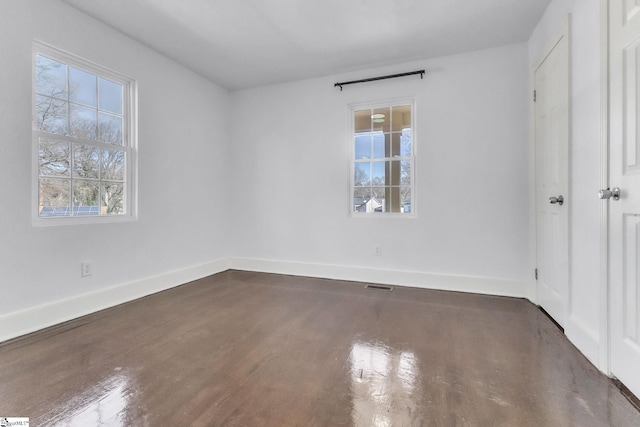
556, 200
614, 194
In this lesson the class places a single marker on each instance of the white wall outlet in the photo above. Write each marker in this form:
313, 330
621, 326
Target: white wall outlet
86, 269
377, 250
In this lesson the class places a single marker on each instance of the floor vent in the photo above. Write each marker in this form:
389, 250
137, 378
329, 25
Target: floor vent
379, 288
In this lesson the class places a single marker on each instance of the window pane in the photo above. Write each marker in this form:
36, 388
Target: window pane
378, 173
394, 173
362, 121
376, 205
82, 87
361, 199
362, 192
53, 158
405, 143
362, 174
401, 118
82, 122
85, 195
54, 197
110, 128
395, 144
86, 161
378, 193
51, 115
380, 117
405, 172
51, 77
405, 199
110, 95
363, 146
113, 165
379, 145
394, 202
112, 202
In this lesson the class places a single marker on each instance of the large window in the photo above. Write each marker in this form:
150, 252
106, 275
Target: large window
83, 139
383, 158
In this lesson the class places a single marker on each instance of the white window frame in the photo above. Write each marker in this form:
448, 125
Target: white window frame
351, 150
129, 134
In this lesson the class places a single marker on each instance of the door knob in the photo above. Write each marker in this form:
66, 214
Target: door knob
614, 194
556, 200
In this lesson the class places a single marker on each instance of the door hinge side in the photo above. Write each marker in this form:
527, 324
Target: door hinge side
534, 96
536, 273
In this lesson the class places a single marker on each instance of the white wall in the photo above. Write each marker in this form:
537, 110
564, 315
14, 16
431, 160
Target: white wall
291, 202
258, 179
183, 172
585, 318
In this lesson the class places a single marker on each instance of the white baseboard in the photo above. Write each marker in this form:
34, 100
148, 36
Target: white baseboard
417, 279
19, 323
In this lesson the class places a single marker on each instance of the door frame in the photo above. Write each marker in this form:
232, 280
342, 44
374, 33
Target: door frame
564, 30
605, 290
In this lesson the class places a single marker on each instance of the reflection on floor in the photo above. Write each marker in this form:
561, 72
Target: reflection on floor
102, 404
252, 349
383, 385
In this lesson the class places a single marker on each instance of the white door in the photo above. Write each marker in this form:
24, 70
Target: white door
624, 172
552, 176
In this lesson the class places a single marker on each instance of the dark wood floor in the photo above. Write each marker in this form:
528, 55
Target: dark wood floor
250, 349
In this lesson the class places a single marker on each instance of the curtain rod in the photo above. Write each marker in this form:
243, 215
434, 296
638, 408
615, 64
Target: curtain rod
372, 79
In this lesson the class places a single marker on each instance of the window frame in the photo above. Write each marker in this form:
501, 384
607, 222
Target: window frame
352, 158
129, 139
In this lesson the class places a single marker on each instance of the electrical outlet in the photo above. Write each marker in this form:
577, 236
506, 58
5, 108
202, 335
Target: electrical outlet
86, 269
377, 250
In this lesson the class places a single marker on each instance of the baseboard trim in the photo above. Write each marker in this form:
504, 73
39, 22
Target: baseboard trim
417, 279
585, 340
13, 325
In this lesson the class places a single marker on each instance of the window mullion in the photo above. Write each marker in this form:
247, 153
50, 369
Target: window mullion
67, 100
100, 183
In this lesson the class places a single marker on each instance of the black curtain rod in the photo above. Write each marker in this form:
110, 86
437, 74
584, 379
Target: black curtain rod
372, 79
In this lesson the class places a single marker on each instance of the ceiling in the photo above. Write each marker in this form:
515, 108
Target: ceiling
247, 43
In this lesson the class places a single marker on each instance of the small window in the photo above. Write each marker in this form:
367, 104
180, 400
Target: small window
83, 138
382, 144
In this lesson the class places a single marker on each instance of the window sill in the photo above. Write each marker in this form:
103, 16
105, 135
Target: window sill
80, 220
383, 215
